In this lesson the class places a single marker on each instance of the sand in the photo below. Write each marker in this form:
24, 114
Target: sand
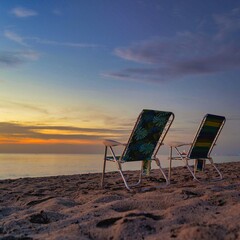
75, 207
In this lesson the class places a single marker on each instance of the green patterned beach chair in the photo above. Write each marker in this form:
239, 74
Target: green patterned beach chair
146, 138
201, 147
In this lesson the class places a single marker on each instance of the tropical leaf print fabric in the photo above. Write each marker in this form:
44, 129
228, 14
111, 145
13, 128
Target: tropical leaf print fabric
146, 135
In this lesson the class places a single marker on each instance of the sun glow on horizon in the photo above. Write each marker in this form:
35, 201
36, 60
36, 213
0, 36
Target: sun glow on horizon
24, 141
86, 76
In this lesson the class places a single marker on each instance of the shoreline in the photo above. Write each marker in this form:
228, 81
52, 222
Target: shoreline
20, 166
75, 207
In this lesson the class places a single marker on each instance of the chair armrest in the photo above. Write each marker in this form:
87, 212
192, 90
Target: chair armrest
178, 144
112, 143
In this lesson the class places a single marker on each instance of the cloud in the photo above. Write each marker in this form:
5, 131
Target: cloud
9, 59
176, 58
21, 12
185, 45
30, 55
64, 44
186, 54
23, 41
227, 23
20, 132
16, 58
14, 37
21, 105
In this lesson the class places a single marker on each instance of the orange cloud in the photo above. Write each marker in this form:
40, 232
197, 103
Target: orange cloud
15, 137
47, 141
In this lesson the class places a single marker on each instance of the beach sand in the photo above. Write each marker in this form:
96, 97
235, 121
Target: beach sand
75, 207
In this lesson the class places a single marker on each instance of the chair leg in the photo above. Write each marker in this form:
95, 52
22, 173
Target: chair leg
170, 165
104, 167
212, 163
121, 173
140, 177
185, 160
214, 166
160, 168
190, 170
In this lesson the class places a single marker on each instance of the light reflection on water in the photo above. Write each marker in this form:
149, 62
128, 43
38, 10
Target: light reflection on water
39, 165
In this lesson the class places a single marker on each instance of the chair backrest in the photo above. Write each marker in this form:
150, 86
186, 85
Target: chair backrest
206, 136
149, 130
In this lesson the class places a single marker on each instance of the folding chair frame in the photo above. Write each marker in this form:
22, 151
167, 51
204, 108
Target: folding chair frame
109, 144
186, 157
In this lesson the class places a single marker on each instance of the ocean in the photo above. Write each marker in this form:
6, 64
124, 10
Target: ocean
14, 166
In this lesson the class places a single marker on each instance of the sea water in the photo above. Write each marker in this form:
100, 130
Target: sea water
40, 165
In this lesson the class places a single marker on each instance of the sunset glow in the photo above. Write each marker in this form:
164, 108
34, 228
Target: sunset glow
76, 72
49, 141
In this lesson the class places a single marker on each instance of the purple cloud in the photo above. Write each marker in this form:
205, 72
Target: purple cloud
178, 63
185, 54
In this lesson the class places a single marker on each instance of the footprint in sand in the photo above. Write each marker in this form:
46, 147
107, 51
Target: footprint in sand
111, 221
45, 217
107, 222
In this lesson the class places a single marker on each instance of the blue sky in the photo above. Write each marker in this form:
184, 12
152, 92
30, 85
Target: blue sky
74, 72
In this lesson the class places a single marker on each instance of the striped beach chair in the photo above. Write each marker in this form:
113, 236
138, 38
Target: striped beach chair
143, 145
201, 147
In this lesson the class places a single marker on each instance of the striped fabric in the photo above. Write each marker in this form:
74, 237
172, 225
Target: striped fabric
145, 135
206, 136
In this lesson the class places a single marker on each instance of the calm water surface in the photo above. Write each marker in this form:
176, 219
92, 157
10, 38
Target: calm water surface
39, 165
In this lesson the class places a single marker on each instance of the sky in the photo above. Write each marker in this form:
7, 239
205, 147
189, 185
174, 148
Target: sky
75, 72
